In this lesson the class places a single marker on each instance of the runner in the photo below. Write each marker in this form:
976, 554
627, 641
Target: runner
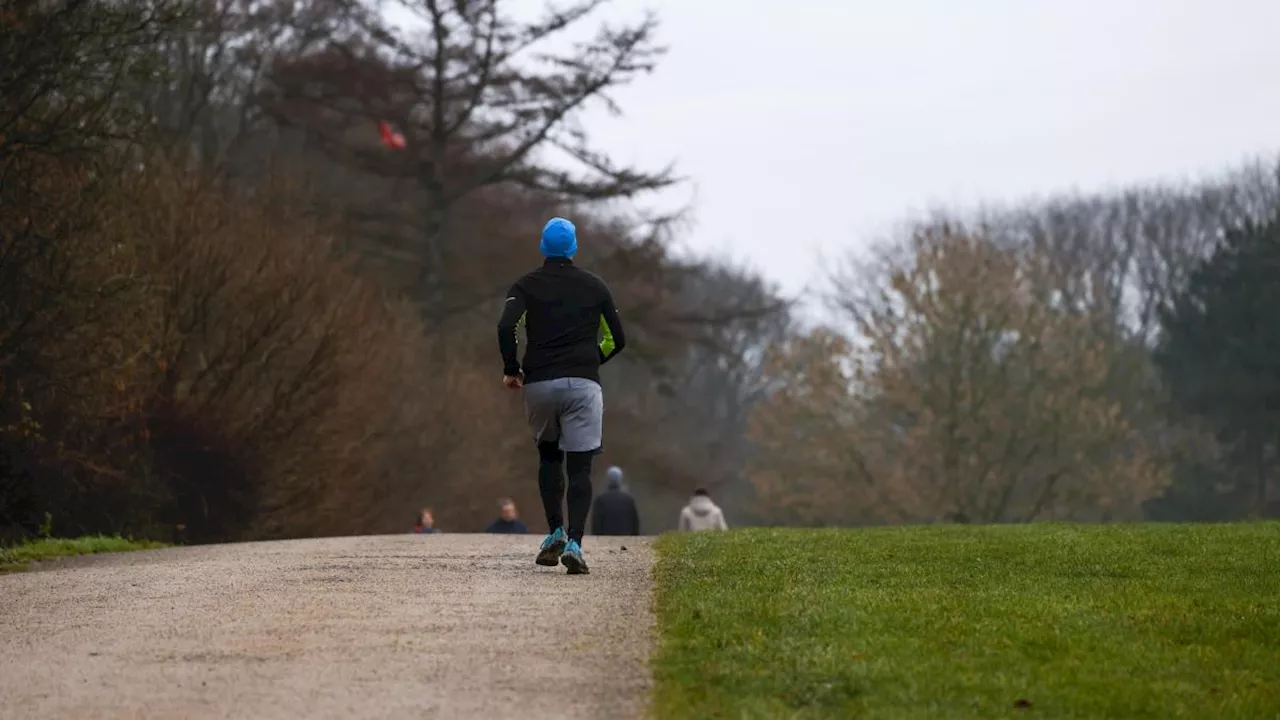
564, 309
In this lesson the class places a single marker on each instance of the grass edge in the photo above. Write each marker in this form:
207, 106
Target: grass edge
20, 557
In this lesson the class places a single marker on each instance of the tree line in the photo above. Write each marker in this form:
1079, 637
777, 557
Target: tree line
231, 309
1104, 357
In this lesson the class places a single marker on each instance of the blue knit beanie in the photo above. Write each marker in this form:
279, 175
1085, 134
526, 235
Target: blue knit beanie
559, 239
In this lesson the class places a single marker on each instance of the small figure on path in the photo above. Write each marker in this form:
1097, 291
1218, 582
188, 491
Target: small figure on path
702, 514
614, 512
508, 522
425, 524
572, 328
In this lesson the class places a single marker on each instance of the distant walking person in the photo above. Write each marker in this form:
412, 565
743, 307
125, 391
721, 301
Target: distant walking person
614, 512
425, 524
566, 310
702, 514
508, 521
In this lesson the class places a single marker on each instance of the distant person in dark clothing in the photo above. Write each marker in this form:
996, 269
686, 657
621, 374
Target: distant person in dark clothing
614, 511
508, 521
425, 524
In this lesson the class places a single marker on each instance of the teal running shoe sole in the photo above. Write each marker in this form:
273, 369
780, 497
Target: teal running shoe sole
574, 563
549, 554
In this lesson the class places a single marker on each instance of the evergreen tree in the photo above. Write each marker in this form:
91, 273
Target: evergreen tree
1220, 350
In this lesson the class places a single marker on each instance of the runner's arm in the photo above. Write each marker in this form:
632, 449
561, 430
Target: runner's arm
512, 314
614, 338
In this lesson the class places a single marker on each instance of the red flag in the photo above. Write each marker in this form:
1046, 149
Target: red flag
390, 138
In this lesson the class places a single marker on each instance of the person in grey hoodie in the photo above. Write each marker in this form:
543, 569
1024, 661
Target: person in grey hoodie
702, 514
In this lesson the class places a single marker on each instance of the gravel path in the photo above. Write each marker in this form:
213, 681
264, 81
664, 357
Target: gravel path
448, 626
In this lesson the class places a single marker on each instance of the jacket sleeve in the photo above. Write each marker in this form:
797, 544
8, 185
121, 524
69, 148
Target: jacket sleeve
613, 337
513, 310
720, 523
635, 519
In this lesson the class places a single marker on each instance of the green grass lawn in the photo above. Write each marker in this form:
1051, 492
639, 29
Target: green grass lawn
1034, 621
18, 557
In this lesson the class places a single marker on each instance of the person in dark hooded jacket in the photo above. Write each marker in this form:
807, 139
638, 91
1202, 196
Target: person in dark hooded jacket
614, 511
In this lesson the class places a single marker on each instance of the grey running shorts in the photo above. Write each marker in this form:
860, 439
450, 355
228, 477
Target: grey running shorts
566, 410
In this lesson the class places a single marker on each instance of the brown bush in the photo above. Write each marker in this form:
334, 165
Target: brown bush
240, 380
271, 350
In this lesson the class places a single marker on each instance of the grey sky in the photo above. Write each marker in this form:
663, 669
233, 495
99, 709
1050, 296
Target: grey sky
814, 125
808, 127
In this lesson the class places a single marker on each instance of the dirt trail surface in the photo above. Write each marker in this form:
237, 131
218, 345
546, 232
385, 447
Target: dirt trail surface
448, 626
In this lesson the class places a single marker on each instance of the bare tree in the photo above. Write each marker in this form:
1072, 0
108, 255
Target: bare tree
689, 402
1125, 253
972, 391
238, 375
480, 99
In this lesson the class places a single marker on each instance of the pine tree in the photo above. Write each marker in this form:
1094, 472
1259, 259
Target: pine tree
1220, 349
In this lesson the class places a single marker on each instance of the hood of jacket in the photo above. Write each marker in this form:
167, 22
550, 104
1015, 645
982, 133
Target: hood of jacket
701, 506
615, 478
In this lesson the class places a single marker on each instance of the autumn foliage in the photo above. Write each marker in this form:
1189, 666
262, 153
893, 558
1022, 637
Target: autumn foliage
971, 393
229, 310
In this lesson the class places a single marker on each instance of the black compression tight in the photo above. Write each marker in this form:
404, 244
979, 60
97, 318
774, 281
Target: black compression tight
551, 483
578, 467
552, 464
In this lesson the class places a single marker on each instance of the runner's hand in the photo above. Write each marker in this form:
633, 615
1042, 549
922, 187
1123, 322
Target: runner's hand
512, 382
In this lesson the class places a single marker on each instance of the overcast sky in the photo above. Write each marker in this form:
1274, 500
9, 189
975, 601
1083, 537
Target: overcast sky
812, 125
809, 127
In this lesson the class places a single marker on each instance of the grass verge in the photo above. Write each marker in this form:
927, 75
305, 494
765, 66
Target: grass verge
18, 557
1043, 621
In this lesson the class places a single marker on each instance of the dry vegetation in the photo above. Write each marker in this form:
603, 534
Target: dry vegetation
227, 311
974, 395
